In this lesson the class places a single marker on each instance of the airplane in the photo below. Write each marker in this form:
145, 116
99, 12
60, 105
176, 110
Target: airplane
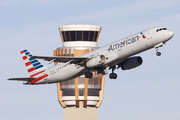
120, 53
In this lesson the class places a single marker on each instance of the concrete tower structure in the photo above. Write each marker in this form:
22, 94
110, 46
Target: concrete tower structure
80, 97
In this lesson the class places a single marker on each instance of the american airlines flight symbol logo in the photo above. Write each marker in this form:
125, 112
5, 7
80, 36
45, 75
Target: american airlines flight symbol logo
143, 36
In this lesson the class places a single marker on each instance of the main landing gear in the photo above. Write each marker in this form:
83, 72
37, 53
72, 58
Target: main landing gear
112, 75
88, 75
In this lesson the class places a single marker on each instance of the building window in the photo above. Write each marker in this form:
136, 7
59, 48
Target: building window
81, 92
95, 37
68, 92
91, 36
93, 92
67, 36
79, 35
85, 35
73, 36
63, 36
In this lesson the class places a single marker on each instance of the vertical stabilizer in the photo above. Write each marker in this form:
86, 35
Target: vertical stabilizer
34, 67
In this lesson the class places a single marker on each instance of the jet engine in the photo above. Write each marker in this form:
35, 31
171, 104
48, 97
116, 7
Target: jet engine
96, 61
131, 63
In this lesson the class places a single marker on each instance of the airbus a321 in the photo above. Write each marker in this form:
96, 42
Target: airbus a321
113, 56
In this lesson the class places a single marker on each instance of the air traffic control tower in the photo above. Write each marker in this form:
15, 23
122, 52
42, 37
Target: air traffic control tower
80, 97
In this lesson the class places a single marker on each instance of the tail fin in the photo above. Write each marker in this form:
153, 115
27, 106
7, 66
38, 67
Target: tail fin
34, 67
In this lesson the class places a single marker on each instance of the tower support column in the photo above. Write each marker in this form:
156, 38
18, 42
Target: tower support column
80, 113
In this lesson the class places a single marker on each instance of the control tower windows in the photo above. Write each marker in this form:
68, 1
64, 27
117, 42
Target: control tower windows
68, 92
91, 36
95, 36
79, 35
73, 36
63, 35
93, 92
81, 92
67, 36
85, 35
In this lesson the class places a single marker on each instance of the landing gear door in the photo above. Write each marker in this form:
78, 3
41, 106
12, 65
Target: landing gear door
148, 35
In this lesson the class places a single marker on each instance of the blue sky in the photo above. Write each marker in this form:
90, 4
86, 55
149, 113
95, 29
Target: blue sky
148, 92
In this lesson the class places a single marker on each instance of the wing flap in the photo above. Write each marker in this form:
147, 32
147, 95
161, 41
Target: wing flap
22, 79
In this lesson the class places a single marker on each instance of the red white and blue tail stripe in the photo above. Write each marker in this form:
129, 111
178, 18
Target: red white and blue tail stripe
34, 67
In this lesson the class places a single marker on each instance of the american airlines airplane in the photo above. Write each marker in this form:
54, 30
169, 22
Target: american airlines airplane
119, 53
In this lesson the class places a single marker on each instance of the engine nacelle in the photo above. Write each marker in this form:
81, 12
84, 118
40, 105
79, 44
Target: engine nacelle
96, 61
131, 63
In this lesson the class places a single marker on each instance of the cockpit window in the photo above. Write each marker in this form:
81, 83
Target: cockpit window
164, 28
161, 29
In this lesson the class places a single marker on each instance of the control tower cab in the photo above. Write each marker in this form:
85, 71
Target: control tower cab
80, 35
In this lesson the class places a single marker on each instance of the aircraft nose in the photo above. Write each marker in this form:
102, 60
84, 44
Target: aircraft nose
170, 34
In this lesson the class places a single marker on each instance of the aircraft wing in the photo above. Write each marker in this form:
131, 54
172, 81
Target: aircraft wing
22, 79
61, 59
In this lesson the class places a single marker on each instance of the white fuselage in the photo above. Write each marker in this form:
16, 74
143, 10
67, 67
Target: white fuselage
114, 53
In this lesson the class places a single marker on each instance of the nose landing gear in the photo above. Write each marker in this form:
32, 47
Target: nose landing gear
158, 53
157, 46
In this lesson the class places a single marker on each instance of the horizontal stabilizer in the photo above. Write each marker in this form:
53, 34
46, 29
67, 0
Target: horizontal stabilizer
22, 79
